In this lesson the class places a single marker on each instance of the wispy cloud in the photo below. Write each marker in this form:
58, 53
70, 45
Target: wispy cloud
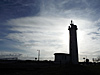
47, 27
93, 33
50, 34
44, 33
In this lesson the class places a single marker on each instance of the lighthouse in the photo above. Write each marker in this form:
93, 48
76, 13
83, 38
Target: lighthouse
73, 47
72, 57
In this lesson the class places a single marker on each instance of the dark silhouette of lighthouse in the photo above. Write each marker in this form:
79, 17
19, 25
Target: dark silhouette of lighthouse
73, 48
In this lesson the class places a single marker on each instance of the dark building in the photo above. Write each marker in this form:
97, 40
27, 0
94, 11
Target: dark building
73, 48
62, 58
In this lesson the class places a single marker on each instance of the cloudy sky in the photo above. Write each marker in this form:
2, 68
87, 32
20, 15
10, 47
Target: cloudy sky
30, 25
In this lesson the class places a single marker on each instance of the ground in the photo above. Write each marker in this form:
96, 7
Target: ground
47, 69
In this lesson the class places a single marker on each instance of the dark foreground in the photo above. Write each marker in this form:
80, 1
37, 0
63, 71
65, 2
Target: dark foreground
47, 68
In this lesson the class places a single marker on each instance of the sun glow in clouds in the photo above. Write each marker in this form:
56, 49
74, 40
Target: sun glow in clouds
49, 34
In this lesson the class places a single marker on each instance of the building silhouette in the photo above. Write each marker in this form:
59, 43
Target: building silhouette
73, 48
62, 58
72, 57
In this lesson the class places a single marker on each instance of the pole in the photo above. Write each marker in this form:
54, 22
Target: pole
38, 55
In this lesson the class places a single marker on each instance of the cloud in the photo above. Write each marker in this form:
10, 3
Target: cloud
93, 33
50, 34
1, 39
44, 33
68, 8
47, 28
19, 8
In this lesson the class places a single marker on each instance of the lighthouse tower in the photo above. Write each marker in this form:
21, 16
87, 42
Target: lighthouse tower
73, 48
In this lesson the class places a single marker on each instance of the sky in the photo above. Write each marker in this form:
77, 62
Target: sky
30, 25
